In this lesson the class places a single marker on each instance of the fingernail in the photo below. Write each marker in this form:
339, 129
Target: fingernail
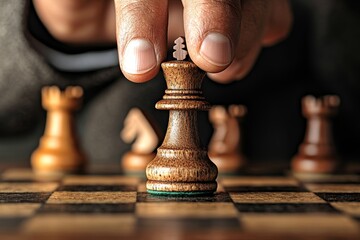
139, 56
216, 49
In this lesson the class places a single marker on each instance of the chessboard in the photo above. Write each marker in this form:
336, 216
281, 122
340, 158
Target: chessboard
274, 205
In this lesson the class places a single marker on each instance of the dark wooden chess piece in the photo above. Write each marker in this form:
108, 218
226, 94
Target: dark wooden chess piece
59, 151
317, 153
182, 165
225, 144
139, 131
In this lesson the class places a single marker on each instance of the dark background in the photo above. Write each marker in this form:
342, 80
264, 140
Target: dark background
320, 56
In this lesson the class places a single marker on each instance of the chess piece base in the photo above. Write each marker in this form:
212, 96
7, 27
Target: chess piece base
47, 161
188, 194
181, 171
312, 164
55, 158
192, 188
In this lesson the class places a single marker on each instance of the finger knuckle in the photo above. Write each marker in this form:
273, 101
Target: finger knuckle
220, 9
136, 8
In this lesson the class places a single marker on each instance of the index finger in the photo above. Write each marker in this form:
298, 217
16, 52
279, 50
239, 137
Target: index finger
141, 27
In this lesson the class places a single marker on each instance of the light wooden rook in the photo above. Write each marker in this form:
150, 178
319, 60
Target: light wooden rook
59, 151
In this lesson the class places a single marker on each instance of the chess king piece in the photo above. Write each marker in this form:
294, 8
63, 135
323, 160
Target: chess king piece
225, 144
139, 131
58, 151
182, 165
317, 152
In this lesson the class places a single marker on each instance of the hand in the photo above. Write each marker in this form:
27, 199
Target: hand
78, 21
223, 37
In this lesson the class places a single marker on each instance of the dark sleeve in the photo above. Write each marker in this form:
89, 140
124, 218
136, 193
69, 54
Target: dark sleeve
20, 72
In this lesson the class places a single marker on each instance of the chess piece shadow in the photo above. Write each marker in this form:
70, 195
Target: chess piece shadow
59, 151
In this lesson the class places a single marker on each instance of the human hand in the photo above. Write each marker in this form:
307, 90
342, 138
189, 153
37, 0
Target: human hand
223, 37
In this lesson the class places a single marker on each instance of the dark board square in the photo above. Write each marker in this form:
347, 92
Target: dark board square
20, 181
285, 208
88, 208
188, 223
333, 182
217, 197
10, 223
264, 189
105, 171
340, 197
27, 197
98, 188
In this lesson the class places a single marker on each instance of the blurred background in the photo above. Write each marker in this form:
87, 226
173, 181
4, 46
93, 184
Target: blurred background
320, 56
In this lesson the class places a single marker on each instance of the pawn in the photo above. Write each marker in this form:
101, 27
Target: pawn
225, 144
58, 151
141, 132
317, 152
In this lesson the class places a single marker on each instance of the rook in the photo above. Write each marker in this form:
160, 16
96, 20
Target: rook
58, 151
317, 152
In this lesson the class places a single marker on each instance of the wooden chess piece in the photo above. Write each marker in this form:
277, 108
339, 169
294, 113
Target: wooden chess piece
59, 151
317, 152
181, 165
139, 130
225, 144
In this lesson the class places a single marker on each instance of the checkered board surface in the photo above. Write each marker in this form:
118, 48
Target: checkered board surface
262, 206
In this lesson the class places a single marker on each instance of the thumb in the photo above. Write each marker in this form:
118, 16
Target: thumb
212, 32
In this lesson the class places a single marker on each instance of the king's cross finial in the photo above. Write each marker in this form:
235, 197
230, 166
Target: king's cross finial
180, 53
